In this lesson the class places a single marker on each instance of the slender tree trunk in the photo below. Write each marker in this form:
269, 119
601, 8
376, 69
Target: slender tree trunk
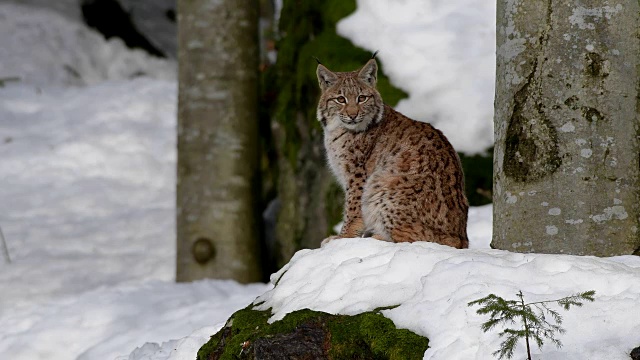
217, 140
566, 160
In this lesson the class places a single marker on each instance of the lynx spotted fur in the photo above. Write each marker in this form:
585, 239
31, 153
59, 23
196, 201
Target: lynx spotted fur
402, 178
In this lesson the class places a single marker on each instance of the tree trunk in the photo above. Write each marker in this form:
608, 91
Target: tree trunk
566, 159
217, 140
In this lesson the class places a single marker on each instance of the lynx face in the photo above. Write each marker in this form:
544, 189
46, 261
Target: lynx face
349, 99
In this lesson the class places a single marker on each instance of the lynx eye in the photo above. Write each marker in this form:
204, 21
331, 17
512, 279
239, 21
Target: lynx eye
341, 100
362, 98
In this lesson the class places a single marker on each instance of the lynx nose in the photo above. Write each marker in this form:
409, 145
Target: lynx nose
352, 111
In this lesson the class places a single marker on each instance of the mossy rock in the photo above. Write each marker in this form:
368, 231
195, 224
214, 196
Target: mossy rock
307, 334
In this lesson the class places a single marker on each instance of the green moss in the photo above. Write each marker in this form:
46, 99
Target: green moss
376, 335
365, 336
244, 323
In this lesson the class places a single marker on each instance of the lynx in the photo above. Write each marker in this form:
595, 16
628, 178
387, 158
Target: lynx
402, 178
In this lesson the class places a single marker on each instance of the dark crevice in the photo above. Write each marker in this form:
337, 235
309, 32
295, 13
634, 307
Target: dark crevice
532, 155
543, 40
549, 15
171, 15
595, 65
592, 115
572, 102
109, 18
525, 160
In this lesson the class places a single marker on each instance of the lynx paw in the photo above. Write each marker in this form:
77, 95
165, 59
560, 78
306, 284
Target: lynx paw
330, 238
372, 234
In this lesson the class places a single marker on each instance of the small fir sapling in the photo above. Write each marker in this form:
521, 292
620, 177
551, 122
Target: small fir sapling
532, 316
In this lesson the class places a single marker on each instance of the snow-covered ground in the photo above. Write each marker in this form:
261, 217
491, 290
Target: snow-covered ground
87, 178
44, 48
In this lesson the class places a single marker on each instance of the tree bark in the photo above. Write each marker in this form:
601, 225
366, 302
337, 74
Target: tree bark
566, 162
217, 140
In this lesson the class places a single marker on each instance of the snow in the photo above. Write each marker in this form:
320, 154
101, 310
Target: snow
442, 53
63, 52
111, 321
433, 283
87, 205
87, 201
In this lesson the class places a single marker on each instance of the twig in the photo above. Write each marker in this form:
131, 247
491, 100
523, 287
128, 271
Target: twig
5, 249
8, 79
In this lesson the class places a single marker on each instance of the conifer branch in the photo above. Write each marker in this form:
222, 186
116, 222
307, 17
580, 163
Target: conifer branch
533, 317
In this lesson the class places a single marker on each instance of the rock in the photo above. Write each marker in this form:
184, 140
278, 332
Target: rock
635, 353
307, 341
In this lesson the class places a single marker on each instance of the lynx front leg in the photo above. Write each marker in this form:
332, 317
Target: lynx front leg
353, 224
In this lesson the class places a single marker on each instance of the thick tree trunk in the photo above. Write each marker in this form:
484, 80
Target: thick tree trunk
566, 161
217, 140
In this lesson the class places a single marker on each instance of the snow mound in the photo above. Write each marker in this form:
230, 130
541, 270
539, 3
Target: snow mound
432, 285
44, 48
440, 52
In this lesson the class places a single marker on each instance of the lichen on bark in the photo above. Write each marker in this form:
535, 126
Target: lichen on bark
566, 168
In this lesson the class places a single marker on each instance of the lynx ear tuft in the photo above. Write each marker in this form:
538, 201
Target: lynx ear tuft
369, 73
326, 78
